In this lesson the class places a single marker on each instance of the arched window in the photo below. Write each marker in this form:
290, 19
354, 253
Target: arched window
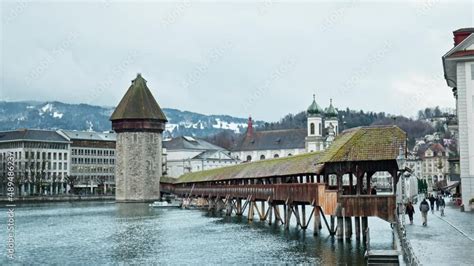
276, 156
249, 158
311, 128
262, 157
289, 154
337, 130
320, 129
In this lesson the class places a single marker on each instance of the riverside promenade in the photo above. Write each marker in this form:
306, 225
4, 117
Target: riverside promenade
447, 240
57, 198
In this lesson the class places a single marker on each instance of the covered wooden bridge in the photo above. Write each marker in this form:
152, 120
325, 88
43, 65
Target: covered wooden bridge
335, 182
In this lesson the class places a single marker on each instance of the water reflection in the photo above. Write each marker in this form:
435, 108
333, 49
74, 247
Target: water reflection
107, 233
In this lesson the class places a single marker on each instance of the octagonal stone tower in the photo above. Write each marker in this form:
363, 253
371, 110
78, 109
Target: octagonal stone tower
139, 123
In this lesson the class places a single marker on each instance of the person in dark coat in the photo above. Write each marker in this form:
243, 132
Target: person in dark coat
410, 210
373, 191
441, 204
432, 201
424, 209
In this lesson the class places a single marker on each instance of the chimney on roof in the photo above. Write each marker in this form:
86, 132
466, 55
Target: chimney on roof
249, 127
461, 34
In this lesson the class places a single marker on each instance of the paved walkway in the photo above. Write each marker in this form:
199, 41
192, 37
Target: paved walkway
447, 240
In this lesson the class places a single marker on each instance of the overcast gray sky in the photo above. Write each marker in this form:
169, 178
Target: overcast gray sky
264, 59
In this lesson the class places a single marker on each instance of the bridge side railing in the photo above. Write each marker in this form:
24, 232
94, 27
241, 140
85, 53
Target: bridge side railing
278, 192
382, 206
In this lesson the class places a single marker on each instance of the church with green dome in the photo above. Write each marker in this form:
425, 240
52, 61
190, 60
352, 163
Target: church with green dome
323, 126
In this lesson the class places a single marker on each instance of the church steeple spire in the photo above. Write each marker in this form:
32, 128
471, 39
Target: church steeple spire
314, 108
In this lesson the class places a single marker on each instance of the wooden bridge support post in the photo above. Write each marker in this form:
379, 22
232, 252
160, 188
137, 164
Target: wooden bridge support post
210, 204
365, 225
228, 209
219, 204
332, 222
270, 212
277, 214
340, 219
340, 228
239, 210
348, 229
303, 217
251, 210
287, 215
317, 221
357, 227
262, 211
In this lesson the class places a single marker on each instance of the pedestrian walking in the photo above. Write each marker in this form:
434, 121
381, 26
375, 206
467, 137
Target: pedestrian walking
410, 210
442, 205
432, 201
424, 209
437, 202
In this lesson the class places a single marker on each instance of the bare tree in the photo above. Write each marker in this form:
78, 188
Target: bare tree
72, 180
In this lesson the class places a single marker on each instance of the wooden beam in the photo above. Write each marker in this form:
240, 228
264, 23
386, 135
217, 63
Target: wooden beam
357, 227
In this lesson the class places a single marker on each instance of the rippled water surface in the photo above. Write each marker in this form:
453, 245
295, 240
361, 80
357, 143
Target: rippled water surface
108, 233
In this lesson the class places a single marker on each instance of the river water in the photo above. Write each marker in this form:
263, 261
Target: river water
97, 233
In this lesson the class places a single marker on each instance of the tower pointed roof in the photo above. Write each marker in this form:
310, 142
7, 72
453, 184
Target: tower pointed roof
331, 111
314, 108
138, 103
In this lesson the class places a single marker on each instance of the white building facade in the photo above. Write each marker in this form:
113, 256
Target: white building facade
188, 154
41, 161
458, 66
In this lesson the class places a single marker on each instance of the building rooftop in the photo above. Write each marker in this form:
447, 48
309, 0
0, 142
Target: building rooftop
273, 140
189, 143
86, 135
138, 103
32, 135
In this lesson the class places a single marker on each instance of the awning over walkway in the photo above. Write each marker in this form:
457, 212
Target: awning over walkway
449, 187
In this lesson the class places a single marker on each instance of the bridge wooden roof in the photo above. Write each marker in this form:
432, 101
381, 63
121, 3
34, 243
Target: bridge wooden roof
293, 165
375, 143
379, 143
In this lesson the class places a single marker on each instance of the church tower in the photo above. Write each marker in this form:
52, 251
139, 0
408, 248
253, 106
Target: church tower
139, 123
331, 122
314, 140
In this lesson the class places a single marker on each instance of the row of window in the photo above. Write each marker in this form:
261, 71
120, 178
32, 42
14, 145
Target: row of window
93, 152
262, 157
96, 179
37, 166
93, 161
84, 169
32, 155
34, 145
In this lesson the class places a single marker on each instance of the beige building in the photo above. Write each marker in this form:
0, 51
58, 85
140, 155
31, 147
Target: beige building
92, 161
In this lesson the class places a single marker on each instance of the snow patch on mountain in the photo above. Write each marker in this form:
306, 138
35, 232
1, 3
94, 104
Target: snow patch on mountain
58, 115
229, 125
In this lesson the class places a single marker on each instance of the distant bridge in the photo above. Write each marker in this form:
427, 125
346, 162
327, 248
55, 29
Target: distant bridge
335, 182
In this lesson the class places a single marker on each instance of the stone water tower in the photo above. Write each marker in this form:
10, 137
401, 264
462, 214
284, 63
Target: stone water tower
139, 123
